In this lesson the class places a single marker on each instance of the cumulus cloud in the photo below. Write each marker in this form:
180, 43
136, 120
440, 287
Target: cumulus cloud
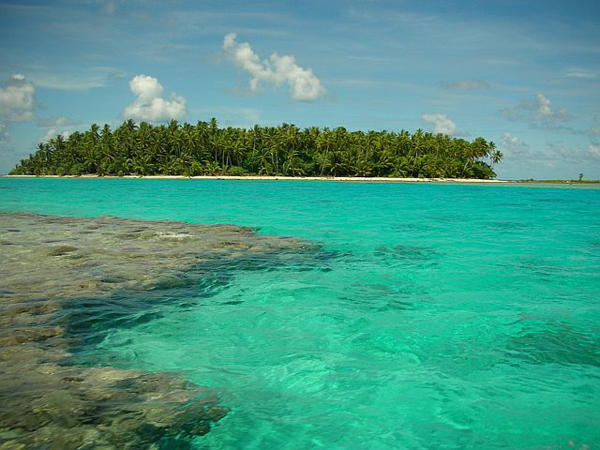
17, 104
545, 110
594, 151
537, 111
149, 105
441, 124
17, 99
513, 144
277, 70
467, 85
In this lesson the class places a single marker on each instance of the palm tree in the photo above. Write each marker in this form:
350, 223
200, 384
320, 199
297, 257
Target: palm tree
205, 148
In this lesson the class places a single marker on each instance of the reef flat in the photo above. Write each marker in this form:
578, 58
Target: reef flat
56, 270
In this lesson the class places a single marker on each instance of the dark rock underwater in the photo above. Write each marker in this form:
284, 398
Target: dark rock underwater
54, 274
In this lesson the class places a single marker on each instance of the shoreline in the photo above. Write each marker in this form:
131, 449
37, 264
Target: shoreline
313, 179
272, 178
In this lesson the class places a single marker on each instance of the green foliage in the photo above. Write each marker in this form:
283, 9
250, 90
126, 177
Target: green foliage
206, 149
236, 171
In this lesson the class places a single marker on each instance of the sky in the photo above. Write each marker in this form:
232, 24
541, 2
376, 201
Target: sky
523, 74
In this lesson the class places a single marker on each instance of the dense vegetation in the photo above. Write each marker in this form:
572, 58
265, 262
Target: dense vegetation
206, 149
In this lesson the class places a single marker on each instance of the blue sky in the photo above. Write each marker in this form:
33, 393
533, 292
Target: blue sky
525, 75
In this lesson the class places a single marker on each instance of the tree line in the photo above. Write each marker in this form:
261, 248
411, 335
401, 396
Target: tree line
206, 149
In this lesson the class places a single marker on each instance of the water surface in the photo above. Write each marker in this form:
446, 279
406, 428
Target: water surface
432, 316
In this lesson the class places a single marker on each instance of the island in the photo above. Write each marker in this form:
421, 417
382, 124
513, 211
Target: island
286, 150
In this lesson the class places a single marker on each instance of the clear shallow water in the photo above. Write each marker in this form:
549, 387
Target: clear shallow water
444, 316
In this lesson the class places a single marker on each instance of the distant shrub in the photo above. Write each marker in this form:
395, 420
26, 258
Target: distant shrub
63, 170
236, 171
77, 169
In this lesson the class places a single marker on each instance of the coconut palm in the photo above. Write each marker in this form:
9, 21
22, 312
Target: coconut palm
206, 148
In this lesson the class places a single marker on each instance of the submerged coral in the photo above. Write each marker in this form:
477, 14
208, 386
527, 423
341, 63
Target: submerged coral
53, 269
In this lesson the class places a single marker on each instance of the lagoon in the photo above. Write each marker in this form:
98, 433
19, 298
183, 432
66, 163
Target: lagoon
417, 315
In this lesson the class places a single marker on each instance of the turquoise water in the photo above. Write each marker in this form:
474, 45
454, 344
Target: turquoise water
438, 317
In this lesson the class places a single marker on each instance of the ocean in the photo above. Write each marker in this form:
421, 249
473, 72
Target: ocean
422, 315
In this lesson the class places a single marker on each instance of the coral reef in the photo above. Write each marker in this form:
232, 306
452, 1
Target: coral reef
52, 269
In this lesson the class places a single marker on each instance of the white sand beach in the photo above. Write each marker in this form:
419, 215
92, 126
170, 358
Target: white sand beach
276, 178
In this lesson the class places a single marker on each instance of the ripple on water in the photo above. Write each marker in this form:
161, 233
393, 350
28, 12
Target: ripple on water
65, 281
554, 343
484, 356
508, 225
406, 254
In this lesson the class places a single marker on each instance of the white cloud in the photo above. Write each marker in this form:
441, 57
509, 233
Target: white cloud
467, 85
54, 126
441, 124
17, 103
56, 122
145, 88
277, 70
566, 153
4, 136
149, 105
52, 133
513, 144
545, 110
576, 72
17, 99
557, 155
77, 80
536, 111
